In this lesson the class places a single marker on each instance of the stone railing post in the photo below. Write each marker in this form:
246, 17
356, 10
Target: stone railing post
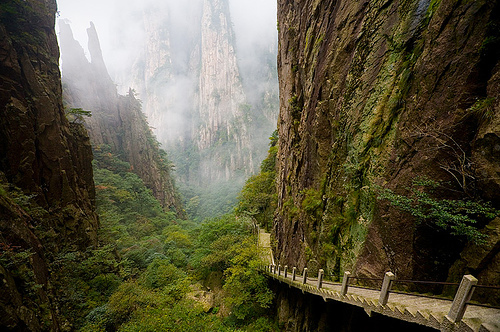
386, 287
345, 283
321, 272
463, 295
294, 273
285, 271
279, 270
304, 276
274, 269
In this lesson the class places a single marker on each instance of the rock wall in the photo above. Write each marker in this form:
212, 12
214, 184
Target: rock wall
116, 121
46, 182
377, 93
221, 98
166, 72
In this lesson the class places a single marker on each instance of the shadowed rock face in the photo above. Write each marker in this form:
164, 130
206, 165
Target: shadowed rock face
41, 153
378, 93
45, 157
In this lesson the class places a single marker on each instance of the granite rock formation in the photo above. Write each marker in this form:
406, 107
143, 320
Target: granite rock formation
46, 182
194, 94
378, 93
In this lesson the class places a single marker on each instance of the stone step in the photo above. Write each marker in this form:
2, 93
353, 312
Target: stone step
435, 321
410, 312
468, 326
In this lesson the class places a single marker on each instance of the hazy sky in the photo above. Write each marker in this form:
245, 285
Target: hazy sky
119, 25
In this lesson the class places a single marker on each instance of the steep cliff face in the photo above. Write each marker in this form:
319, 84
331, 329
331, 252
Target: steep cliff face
189, 79
380, 93
222, 123
117, 121
166, 72
46, 183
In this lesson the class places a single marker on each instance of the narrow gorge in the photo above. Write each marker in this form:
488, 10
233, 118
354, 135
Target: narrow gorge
134, 179
210, 110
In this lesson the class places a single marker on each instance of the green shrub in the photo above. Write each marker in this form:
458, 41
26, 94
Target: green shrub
458, 217
258, 197
161, 273
183, 316
246, 289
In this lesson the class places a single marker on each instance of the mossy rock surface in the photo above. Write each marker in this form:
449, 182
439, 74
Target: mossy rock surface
388, 91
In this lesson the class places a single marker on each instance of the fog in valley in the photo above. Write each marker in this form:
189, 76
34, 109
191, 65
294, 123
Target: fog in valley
120, 24
205, 71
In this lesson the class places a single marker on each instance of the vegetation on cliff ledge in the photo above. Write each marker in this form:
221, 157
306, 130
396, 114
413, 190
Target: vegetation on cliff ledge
258, 198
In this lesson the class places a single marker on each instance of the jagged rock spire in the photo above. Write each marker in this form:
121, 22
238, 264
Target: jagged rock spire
96, 57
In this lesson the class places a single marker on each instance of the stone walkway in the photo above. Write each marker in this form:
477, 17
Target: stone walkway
422, 310
265, 244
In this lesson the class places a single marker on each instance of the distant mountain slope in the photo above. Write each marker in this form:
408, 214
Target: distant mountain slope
190, 79
117, 122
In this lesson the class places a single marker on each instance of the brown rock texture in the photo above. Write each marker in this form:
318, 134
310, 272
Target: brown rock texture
483, 262
379, 93
116, 121
47, 189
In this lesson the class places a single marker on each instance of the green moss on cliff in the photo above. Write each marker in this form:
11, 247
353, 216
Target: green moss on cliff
369, 147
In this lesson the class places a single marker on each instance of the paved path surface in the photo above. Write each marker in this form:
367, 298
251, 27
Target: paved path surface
426, 311
265, 244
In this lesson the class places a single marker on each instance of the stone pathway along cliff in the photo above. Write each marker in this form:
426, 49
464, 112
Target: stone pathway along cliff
422, 310
265, 245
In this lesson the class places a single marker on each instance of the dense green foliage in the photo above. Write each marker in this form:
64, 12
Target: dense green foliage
458, 217
258, 197
149, 272
183, 316
246, 289
227, 245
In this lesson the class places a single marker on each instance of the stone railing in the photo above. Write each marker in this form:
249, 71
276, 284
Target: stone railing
332, 290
